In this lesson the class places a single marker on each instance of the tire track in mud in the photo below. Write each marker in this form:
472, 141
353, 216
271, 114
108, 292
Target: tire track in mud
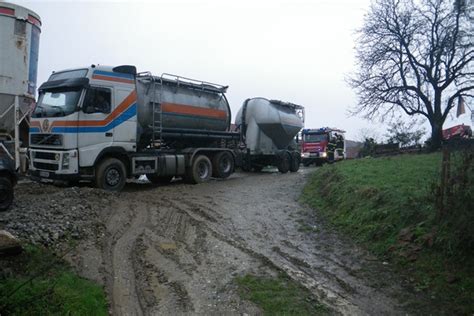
330, 270
176, 249
123, 228
294, 267
163, 268
179, 268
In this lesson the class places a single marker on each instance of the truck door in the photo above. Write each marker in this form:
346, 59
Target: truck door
125, 132
94, 130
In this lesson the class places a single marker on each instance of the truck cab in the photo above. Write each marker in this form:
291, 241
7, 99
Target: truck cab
107, 124
322, 145
457, 132
81, 115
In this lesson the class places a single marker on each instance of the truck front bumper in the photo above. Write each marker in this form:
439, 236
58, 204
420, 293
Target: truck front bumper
46, 176
54, 164
314, 156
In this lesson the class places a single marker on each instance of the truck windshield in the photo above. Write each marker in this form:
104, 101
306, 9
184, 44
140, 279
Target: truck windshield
57, 103
314, 138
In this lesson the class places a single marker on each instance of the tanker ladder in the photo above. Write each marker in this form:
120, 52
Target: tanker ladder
157, 119
157, 128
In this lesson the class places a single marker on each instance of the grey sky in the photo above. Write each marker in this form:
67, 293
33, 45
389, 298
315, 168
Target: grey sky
297, 51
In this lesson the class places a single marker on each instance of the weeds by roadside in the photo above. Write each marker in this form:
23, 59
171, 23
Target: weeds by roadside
39, 283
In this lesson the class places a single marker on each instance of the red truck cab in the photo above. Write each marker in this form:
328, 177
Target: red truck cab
457, 131
315, 149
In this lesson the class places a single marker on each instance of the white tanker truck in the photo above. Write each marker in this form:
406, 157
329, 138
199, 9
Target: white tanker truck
107, 124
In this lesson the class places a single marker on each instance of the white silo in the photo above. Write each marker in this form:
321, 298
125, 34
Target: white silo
20, 30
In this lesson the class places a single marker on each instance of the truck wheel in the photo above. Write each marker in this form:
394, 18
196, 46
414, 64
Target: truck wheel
284, 163
295, 163
111, 175
159, 179
201, 170
222, 165
6, 193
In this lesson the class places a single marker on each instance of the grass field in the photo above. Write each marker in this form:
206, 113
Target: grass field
389, 206
39, 283
279, 296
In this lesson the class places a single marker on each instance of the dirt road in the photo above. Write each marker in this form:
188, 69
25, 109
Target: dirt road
176, 249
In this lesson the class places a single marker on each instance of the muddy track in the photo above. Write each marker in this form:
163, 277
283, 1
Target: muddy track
176, 249
123, 229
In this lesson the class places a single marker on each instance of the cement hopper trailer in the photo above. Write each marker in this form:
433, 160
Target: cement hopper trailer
268, 129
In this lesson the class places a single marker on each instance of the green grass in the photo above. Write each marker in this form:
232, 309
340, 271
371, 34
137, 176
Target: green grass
374, 200
55, 291
279, 296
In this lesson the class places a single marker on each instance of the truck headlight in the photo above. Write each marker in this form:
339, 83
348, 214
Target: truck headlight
304, 155
324, 154
65, 163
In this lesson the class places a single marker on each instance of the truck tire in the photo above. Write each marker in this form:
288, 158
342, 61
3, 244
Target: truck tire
222, 165
111, 175
295, 162
284, 162
6, 193
155, 179
200, 171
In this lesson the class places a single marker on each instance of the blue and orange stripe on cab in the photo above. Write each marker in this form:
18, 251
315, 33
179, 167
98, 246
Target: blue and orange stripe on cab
113, 76
123, 112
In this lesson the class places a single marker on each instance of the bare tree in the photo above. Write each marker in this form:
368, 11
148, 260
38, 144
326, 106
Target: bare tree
416, 57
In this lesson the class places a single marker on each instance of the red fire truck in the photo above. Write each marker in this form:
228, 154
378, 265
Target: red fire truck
457, 131
314, 145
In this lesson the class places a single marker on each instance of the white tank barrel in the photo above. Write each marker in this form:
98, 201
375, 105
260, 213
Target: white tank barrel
20, 30
269, 125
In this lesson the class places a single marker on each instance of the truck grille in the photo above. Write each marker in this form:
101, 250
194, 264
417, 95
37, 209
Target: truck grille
46, 139
46, 166
45, 155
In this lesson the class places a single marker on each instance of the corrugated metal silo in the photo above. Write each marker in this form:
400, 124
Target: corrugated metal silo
20, 30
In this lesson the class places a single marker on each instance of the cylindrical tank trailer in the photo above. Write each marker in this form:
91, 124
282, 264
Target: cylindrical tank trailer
268, 129
269, 124
185, 105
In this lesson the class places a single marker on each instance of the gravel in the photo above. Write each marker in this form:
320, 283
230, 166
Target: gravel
45, 214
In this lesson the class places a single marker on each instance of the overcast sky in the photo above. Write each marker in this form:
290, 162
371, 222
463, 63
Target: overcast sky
296, 51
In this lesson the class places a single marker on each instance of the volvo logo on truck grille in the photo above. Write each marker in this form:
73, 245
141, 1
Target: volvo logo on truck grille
45, 125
